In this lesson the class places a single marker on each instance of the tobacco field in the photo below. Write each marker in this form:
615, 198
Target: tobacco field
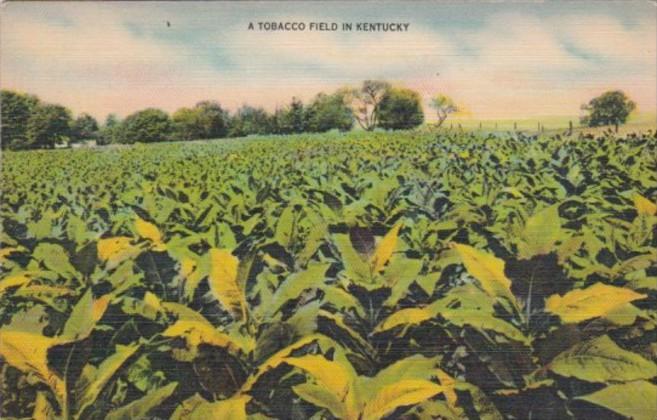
408, 275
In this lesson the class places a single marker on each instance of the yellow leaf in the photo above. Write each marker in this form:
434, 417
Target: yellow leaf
329, 374
402, 393
15, 281
223, 282
153, 301
385, 249
5, 252
406, 316
644, 206
115, 250
28, 352
196, 333
149, 231
448, 383
277, 358
488, 269
231, 409
594, 301
42, 408
100, 306
197, 408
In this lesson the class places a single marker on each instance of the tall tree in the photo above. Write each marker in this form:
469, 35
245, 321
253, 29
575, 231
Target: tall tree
16, 110
110, 131
48, 125
327, 112
248, 121
444, 105
148, 126
365, 102
610, 108
84, 127
213, 119
400, 109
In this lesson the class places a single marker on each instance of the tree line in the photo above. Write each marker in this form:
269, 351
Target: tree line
29, 123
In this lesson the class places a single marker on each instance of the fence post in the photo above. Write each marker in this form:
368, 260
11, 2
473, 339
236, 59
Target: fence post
515, 126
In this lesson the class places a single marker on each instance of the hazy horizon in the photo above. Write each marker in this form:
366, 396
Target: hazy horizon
498, 60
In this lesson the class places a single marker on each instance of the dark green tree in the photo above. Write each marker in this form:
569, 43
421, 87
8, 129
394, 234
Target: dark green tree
400, 109
327, 112
16, 110
249, 121
84, 127
187, 123
213, 119
610, 108
110, 131
147, 126
206, 120
291, 119
48, 125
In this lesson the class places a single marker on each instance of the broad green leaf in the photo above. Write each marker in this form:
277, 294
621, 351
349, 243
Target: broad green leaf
540, 233
412, 367
635, 400
84, 316
280, 357
319, 396
139, 408
602, 360
399, 275
594, 301
285, 226
224, 282
197, 408
55, 258
94, 379
484, 321
294, 285
402, 393
356, 268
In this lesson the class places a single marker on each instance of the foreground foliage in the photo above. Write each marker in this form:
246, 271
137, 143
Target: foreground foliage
359, 276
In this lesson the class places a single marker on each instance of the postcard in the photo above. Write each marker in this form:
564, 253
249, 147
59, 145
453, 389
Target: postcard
328, 210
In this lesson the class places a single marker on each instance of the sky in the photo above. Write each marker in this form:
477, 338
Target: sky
499, 60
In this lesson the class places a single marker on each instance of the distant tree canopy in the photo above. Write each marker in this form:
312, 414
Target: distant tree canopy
400, 109
206, 120
610, 108
84, 127
249, 121
48, 125
16, 111
328, 112
148, 126
28, 123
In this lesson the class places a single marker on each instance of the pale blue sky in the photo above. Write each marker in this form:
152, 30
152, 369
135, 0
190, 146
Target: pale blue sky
500, 60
